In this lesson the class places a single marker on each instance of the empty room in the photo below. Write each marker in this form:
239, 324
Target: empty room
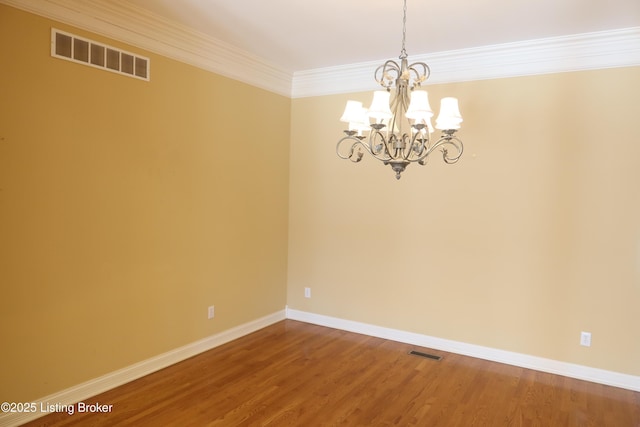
350, 212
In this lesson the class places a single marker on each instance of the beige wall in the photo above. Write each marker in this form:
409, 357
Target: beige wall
533, 237
128, 207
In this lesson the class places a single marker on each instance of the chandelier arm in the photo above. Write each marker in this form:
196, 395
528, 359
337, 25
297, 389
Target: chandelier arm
388, 67
352, 150
448, 139
420, 75
378, 153
408, 147
423, 145
457, 144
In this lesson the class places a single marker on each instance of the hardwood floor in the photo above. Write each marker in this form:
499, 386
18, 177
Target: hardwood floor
297, 374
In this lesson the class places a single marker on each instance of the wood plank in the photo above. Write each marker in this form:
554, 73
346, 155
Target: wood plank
298, 374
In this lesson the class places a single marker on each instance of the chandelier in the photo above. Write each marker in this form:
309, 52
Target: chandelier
399, 127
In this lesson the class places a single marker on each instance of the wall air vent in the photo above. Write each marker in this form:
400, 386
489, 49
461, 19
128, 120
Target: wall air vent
98, 55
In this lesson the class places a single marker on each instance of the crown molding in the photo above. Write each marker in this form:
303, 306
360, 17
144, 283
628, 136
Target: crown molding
122, 21
605, 49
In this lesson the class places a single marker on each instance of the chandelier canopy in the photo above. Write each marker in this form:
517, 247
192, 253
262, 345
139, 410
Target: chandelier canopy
398, 122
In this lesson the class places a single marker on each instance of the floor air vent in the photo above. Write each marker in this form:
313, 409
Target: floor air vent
98, 55
425, 355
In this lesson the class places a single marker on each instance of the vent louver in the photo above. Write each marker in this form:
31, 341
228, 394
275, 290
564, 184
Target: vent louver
425, 355
98, 55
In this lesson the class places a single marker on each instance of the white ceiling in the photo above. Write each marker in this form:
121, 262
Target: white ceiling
300, 35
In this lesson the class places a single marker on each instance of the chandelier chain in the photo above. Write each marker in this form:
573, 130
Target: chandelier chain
403, 52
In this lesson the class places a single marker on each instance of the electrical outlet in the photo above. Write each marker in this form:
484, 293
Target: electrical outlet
585, 339
211, 312
307, 292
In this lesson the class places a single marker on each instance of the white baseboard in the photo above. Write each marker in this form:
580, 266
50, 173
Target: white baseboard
122, 376
600, 376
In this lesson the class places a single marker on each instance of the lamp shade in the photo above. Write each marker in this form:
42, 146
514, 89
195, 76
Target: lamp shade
351, 111
356, 115
449, 117
360, 122
419, 108
379, 109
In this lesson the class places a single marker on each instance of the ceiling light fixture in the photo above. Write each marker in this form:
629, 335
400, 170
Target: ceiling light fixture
401, 128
